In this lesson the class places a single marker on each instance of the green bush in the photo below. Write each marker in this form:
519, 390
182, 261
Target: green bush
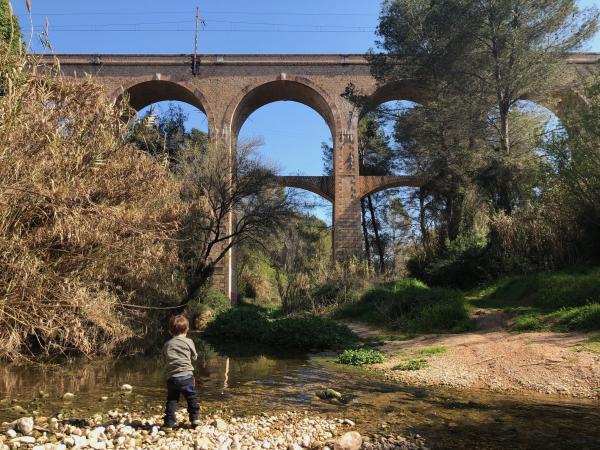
303, 332
360, 357
529, 322
411, 306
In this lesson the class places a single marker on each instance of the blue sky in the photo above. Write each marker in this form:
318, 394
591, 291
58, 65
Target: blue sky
292, 132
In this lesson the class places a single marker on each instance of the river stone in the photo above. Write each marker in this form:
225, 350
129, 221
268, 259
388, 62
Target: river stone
220, 425
24, 440
68, 396
203, 443
349, 441
11, 433
127, 388
24, 425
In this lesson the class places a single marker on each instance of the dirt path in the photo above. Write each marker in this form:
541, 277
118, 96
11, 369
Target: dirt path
493, 358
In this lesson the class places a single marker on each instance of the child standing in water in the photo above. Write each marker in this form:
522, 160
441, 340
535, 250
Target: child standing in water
179, 352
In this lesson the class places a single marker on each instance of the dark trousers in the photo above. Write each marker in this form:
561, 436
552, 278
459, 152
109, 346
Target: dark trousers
176, 386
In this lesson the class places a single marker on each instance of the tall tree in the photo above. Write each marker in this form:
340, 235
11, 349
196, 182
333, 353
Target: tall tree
486, 55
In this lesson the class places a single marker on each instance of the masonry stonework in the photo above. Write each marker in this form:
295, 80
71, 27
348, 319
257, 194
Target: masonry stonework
229, 88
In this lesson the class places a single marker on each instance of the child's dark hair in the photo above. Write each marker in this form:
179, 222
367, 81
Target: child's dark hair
178, 325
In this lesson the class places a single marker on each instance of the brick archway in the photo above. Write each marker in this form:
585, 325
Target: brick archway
142, 93
296, 89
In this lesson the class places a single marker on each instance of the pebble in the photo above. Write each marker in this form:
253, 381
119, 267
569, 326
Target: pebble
127, 388
68, 396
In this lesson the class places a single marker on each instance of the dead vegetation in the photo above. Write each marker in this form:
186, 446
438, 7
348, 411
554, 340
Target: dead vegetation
87, 222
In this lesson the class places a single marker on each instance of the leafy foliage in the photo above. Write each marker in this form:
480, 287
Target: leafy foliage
10, 30
360, 357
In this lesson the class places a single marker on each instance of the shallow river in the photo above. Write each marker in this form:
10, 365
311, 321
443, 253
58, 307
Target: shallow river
252, 384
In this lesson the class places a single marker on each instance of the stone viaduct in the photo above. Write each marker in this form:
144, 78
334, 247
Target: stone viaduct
229, 88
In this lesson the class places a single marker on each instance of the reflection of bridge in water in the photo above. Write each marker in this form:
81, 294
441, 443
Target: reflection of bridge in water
229, 88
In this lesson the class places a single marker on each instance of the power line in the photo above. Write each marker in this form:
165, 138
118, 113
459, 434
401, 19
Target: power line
232, 22
225, 30
247, 13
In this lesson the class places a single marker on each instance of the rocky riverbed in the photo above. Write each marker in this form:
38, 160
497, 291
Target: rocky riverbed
122, 430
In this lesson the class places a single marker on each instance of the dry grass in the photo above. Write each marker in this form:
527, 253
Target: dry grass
86, 221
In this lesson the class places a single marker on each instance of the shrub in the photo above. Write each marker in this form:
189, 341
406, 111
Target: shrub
529, 322
304, 332
360, 357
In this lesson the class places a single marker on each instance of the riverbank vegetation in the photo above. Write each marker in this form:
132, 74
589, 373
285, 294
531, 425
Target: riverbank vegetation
100, 238
106, 228
298, 332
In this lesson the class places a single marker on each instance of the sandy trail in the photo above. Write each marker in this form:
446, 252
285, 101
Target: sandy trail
492, 358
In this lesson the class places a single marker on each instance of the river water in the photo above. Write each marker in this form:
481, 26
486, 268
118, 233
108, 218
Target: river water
254, 383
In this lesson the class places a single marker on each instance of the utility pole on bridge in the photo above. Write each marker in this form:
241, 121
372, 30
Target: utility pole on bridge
199, 21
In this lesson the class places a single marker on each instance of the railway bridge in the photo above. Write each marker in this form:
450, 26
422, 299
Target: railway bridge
229, 88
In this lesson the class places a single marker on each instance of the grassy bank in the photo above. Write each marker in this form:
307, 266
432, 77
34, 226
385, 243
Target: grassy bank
558, 301
411, 306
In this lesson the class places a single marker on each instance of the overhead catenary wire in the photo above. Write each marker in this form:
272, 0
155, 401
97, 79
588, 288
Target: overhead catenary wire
239, 13
232, 22
223, 30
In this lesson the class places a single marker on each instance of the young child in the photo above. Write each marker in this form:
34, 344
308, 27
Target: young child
179, 352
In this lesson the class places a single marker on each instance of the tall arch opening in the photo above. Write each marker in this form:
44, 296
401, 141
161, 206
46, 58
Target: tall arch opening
168, 116
291, 119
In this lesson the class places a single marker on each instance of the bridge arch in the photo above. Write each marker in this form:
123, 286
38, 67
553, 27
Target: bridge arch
322, 186
296, 89
409, 90
373, 184
142, 93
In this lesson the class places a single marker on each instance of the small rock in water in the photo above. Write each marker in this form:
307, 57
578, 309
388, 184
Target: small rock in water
349, 441
68, 396
11, 433
127, 388
24, 425
329, 394
103, 398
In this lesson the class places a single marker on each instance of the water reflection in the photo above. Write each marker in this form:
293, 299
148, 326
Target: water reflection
254, 383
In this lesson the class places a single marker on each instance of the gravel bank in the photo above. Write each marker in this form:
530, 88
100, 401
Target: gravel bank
494, 359
288, 431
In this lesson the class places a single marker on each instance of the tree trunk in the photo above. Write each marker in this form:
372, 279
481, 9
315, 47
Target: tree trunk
365, 231
422, 221
376, 231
